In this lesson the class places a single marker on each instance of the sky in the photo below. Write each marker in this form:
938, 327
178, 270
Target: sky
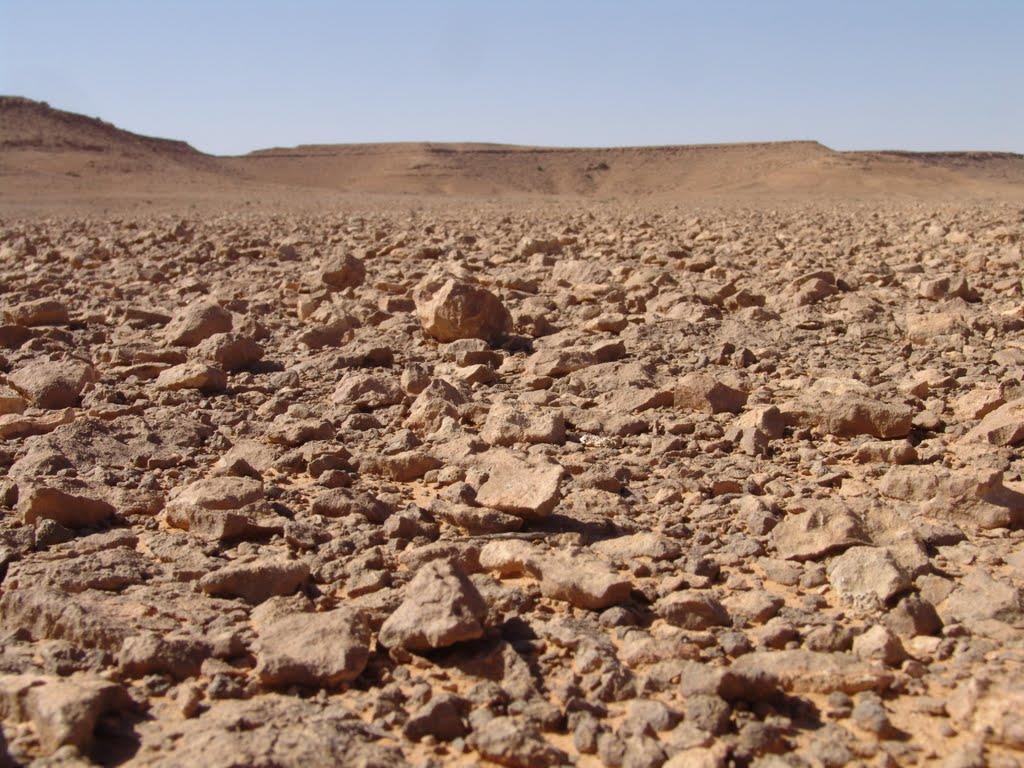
230, 76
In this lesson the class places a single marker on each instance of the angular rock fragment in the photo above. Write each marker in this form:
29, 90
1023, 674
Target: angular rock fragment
38, 312
845, 409
692, 609
582, 581
149, 654
505, 741
460, 310
230, 352
1003, 426
817, 532
704, 393
867, 575
222, 509
343, 271
256, 580
507, 425
66, 712
312, 649
975, 496
53, 385
193, 375
198, 321
71, 503
527, 488
441, 607
800, 671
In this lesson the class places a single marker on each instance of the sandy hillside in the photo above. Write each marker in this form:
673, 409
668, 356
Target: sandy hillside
48, 153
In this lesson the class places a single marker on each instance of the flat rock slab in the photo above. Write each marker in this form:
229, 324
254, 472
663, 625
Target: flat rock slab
529, 488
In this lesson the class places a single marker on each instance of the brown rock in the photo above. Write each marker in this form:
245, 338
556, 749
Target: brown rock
867, 575
525, 487
343, 271
460, 310
198, 321
71, 503
53, 385
692, 609
256, 580
508, 424
230, 351
799, 671
193, 375
1003, 426
38, 312
312, 649
65, 712
704, 393
813, 534
441, 607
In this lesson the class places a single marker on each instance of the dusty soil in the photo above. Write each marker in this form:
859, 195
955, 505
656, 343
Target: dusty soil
291, 477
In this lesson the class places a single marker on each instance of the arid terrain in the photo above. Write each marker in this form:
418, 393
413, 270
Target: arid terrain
422, 454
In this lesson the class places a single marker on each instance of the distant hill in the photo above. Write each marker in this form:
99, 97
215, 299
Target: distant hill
48, 151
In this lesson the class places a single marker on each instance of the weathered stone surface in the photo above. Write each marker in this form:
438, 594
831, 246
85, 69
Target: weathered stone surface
800, 671
196, 322
222, 508
53, 385
441, 607
703, 392
66, 712
460, 310
343, 271
230, 351
692, 609
38, 312
256, 580
970, 495
817, 532
507, 425
193, 375
867, 574
520, 486
507, 742
312, 649
1003, 426
69, 502
844, 408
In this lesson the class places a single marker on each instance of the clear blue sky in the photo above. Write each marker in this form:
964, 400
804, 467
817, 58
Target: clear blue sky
230, 76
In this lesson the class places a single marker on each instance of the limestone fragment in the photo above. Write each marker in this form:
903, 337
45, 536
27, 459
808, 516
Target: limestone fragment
441, 607
461, 310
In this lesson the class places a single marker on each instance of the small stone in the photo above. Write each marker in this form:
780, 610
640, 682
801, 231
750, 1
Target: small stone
193, 375
692, 609
706, 394
257, 580
71, 503
312, 649
528, 488
514, 744
441, 607
343, 271
53, 385
867, 575
38, 312
460, 310
196, 322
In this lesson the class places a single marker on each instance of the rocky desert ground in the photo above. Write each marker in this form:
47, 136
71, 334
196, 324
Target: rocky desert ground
530, 482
